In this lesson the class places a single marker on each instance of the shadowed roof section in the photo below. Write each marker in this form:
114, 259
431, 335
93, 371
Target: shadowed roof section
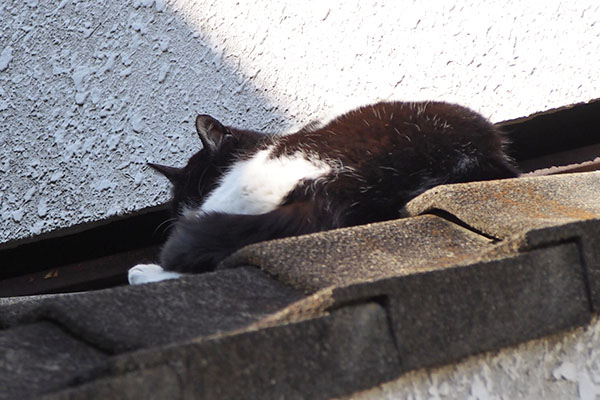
131, 317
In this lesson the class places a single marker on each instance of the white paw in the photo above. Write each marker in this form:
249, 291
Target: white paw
146, 273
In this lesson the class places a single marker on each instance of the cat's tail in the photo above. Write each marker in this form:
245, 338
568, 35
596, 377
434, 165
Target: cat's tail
200, 242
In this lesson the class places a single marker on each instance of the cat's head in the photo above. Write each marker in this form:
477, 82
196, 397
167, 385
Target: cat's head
220, 145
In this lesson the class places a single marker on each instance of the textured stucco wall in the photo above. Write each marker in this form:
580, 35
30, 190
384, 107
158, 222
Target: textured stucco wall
90, 91
560, 367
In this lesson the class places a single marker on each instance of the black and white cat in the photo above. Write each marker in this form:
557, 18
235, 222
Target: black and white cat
244, 187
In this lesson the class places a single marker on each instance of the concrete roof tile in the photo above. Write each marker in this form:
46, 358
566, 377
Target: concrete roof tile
442, 315
446, 315
363, 253
317, 359
131, 317
585, 235
41, 357
503, 208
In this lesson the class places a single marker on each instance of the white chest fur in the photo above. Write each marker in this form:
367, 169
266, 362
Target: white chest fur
259, 184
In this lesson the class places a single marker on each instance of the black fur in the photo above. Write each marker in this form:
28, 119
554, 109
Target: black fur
382, 156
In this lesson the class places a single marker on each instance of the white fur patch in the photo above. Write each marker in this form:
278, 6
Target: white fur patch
146, 273
259, 184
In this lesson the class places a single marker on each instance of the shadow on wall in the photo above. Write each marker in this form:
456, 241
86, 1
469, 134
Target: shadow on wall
91, 91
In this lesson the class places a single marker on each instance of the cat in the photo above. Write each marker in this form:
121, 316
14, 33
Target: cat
244, 187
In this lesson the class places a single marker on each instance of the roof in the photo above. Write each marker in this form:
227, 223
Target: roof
473, 267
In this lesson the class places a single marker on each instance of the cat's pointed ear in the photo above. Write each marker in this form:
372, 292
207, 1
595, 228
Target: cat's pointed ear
171, 173
211, 132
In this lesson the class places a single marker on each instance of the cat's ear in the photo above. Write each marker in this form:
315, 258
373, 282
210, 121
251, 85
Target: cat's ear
211, 132
171, 173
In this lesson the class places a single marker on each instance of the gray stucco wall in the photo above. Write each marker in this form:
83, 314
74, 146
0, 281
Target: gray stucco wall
90, 91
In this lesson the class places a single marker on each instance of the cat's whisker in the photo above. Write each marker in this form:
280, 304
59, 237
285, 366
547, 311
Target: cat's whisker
170, 221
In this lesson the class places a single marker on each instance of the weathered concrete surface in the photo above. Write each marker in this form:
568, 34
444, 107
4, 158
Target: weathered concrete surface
90, 91
444, 315
364, 253
447, 315
528, 213
241, 333
507, 207
316, 359
40, 357
132, 317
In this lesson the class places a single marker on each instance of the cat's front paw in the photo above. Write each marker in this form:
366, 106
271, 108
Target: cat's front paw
146, 273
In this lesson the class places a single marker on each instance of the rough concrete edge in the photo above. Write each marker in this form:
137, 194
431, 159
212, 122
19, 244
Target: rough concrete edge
51, 308
331, 298
327, 299
134, 365
338, 297
250, 255
585, 166
238, 258
584, 233
427, 203
534, 238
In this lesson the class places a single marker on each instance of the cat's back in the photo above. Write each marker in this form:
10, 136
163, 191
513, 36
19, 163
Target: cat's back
363, 165
394, 121
415, 130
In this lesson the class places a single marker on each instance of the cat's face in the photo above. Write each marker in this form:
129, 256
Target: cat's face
193, 182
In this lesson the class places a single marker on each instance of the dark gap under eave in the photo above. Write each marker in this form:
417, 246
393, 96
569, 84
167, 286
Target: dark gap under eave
566, 139
83, 257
